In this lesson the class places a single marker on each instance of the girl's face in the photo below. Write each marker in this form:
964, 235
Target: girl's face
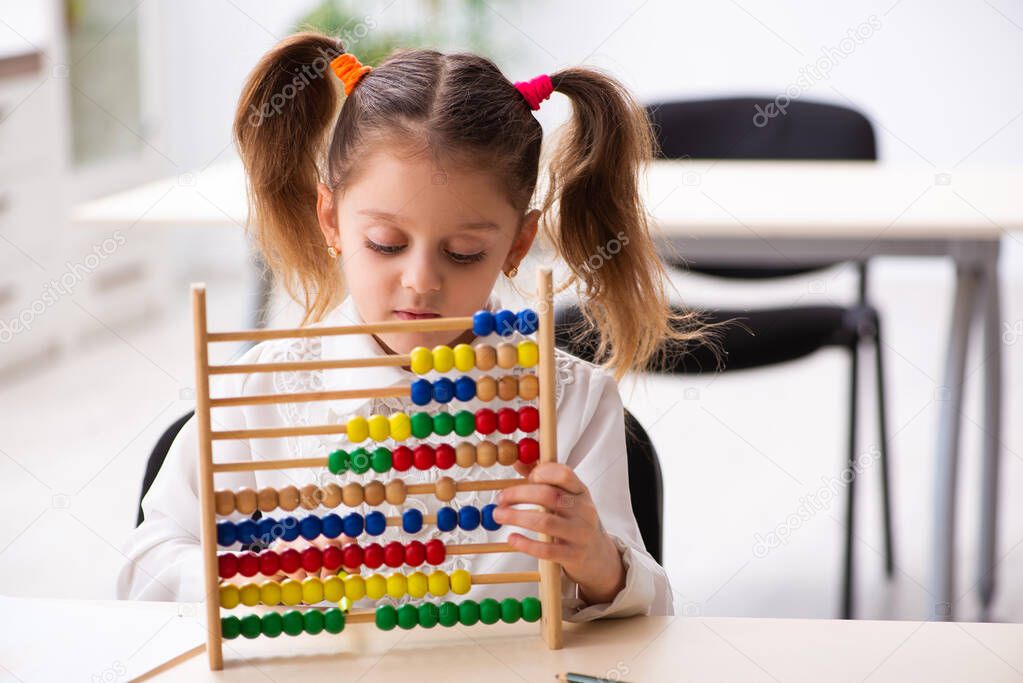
420, 240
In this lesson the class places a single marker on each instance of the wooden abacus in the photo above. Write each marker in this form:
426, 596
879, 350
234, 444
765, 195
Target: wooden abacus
303, 596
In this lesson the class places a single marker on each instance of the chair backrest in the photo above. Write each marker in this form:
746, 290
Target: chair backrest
157, 457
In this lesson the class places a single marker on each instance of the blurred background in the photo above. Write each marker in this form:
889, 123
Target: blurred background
99, 99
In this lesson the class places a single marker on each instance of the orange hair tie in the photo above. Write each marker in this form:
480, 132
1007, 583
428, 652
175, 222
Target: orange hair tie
349, 69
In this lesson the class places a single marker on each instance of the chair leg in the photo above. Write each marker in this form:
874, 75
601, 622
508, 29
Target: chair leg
847, 575
886, 495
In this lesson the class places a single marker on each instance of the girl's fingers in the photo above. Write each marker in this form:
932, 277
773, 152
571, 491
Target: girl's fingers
552, 498
541, 550
556, 474
535, 520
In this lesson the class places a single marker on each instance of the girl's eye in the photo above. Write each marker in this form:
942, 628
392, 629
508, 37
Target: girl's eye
463, 259
384, 248
467, 258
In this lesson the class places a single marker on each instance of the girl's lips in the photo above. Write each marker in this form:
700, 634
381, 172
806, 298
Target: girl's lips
406, 315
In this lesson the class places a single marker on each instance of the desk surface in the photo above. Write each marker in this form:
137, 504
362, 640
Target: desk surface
86, 639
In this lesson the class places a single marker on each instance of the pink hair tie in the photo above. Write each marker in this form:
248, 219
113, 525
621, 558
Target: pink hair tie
536, 90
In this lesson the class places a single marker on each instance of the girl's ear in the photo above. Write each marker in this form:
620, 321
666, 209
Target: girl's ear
327, 214
524, 240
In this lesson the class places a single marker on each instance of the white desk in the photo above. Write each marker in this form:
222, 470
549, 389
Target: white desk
781, 214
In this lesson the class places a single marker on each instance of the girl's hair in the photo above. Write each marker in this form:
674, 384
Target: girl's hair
292, 132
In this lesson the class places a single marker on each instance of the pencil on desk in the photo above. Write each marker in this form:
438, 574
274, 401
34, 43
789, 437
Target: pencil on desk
570, 677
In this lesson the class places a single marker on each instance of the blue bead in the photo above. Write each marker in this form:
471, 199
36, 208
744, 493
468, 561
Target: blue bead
310, 527
483, 323
267, 528
465, 388
227, 533
469, 517
248, 530
353, 524
527, 321
488, 518
289, 526
443, 390
332, 525
422, 392
412, 521
376, 522
447, 518
504, 322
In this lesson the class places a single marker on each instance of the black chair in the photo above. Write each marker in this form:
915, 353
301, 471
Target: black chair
725, 129
645, 483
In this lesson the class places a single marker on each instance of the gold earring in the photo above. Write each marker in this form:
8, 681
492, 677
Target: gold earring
332, 251
512, 272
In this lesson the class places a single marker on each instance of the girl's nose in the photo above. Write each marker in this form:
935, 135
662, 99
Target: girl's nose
421, 273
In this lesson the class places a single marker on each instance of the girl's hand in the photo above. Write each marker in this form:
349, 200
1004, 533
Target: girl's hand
578, 540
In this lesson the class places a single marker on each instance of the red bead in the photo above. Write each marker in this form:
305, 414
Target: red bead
312, 559
394, 554
507, 420
227, 565
332, 557
352, 556
445, 455
373, 555
529, 450
269, 563
248, 564
435, 551
415, 553
486, 421
423, 456
401, 458
291, 561
529, 418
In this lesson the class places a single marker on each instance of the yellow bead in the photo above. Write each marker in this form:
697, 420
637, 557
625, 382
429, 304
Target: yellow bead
401, 426
355, 587
438, 583
333, 589
376, 586
418, 584
396, 585
312, 590
249, 594
229, 596
379, 427
461, 582
291, 592
465, 357
421, 360
270, 593
529, 353
443, 358
358, 429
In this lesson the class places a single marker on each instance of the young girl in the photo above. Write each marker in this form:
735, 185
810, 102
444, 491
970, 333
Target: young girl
406, 199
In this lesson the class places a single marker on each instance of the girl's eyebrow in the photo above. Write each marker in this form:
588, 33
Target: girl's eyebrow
394, 218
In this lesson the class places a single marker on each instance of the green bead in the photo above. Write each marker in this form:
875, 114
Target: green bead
386, 617
272, 624
511, 610
230, 627
490, 611
468, 612
530, 609
465, 423
447, 614
337, 462
428, 615
443, 423
359, 461
422, 425
294, 624
380, 461
313, 619
408, 616
251, 625
334, 620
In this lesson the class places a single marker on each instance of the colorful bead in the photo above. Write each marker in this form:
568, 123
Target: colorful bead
359, 461
248, 564
439, 583
376, 586
507, 420
415, 553
418, 584
412, 521
376, 522
529, 418
511, 610
421, 392
435, 551
310, 527
465, 423
443, 358
490, 611
423, 457
400, 426
487, 517
394, 554
227, 565
291, 561
461, 582
483, 323
357, 429
397, 585
443, 390
465, 389
270, 593
422, 425
447, 614
251, 626
527, 321
312, 559
428, 615
373, 555
380, 460
230, 627
386, 617
353, 524
293, 621
333, 588
337, 461
312, 590
332, 525
468, 518
447, 519
444, 456
468, 613
334, 620
230, 596
528, 353
421, 360
401, 458
291, 592
443, 423
465, 358
313, 619
529, 450
378, 427
355, 587
530, 609
504, 322
486, 421
408, 616
351, 556
247, 531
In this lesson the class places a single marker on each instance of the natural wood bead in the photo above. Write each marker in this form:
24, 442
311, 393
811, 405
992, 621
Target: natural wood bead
331, 495
529, 387
465, 454
486, 453
486, 388
287, 498
395, 492
507, 452
486, 357
352, 494
373, 492
245, 501
507, 355
311, 496
267, 499
507, 388
445, 489
224, 502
